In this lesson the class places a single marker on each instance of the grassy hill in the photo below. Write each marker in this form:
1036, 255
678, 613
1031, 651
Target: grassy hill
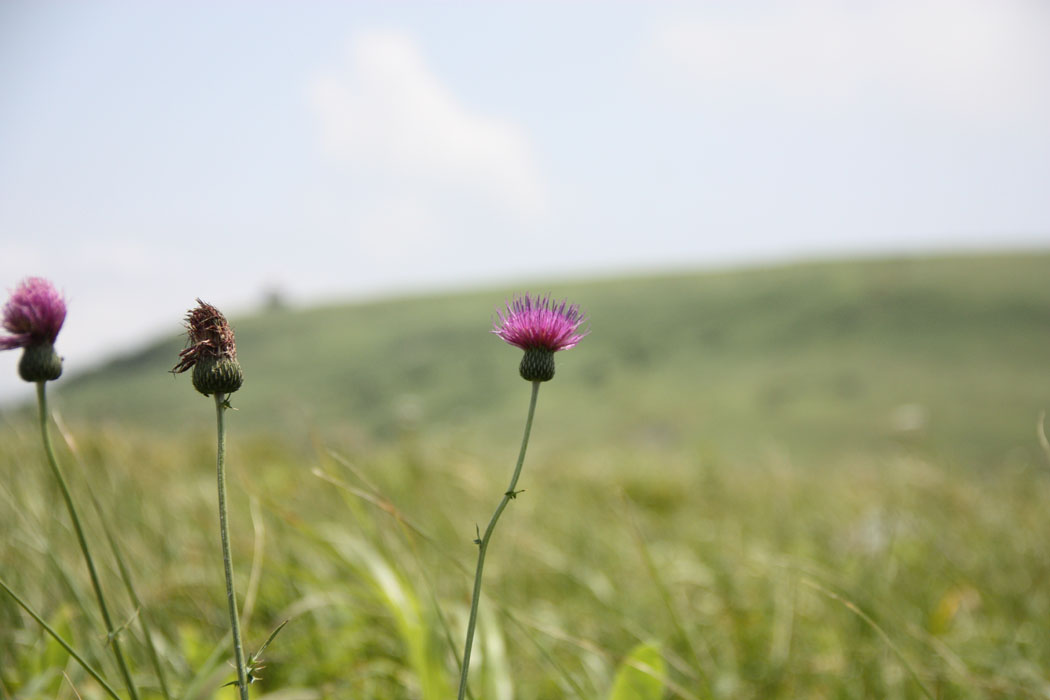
940, 356
763, 472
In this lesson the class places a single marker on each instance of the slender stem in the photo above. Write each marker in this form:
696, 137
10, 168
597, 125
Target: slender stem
483, 544
63, 643
111, 635
224, 532
129, 585
125, 572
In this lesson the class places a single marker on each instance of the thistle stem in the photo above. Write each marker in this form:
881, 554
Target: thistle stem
63, 643
224, 533
129, 586
483, 544
111, 635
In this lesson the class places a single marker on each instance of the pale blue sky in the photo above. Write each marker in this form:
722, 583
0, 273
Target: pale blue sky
154, 152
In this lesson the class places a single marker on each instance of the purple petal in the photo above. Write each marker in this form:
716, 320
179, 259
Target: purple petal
540, 323
34, 314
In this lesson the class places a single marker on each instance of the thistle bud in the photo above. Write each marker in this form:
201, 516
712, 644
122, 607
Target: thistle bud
537, 365
217, 375
40, 363
211, 352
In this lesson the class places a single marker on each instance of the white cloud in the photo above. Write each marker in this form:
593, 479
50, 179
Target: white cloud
387, 112
963, 57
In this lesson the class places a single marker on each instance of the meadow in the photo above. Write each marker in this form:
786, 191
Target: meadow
817, 481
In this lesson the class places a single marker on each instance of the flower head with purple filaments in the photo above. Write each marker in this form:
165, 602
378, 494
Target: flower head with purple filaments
540, 327
34, 315
538, 323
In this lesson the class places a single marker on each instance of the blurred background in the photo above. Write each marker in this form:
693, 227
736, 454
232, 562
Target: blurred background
289, 153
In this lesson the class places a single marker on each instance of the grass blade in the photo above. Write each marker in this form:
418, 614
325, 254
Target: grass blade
58, 638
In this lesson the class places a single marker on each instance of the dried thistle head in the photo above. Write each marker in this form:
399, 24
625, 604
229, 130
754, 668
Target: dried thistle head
211, 352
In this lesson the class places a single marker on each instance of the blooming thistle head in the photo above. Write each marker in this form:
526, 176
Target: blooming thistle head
540, 327
212, 352
34, 315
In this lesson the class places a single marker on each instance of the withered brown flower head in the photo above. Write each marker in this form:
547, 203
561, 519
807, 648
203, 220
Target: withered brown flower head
212, 352
210, 336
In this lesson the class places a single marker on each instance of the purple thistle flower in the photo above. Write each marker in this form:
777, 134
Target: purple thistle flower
34, 315
540, 327
540, 324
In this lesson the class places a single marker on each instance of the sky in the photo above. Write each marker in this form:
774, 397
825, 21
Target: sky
153, 153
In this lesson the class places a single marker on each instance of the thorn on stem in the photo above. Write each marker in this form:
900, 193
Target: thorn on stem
477, 531
514, 494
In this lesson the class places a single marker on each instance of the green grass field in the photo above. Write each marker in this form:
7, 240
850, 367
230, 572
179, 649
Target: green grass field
815, 481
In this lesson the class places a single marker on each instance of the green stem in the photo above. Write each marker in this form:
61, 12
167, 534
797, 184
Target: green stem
483, 544
63, 643
111, 635
224, 532
129, 586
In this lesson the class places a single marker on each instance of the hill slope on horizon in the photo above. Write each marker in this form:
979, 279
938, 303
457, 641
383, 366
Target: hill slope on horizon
942, 356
